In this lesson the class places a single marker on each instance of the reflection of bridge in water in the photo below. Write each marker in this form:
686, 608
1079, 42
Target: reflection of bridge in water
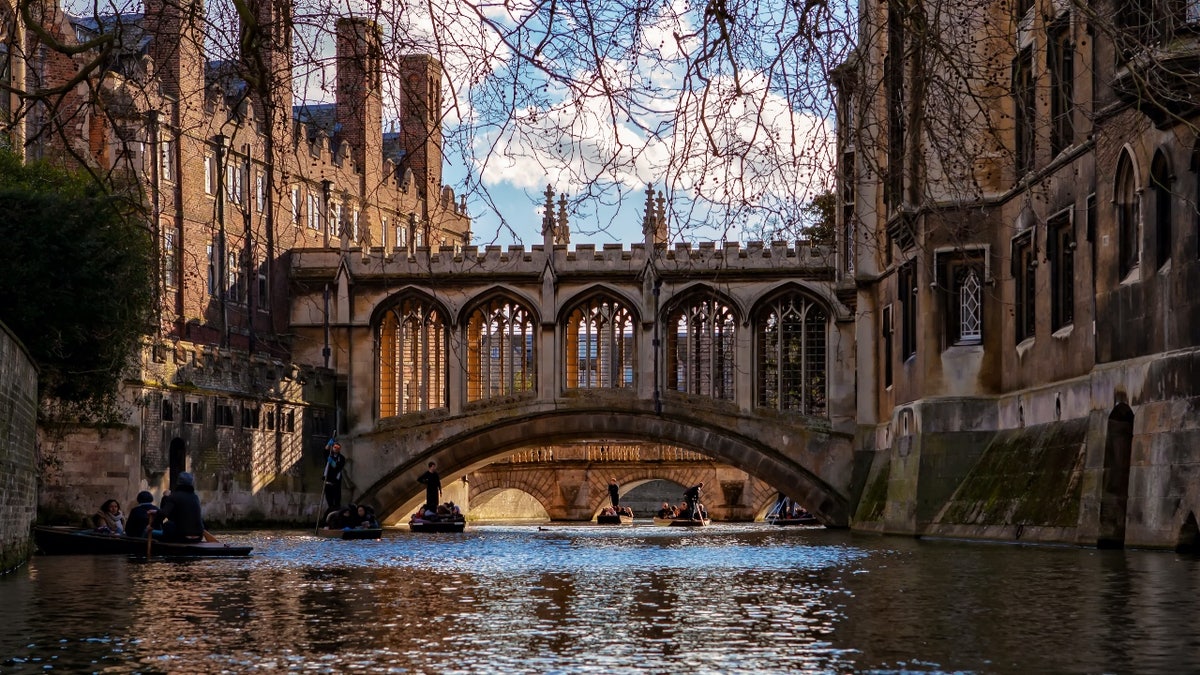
570, 481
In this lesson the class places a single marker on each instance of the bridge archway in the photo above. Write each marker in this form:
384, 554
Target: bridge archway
506, 504
786, 460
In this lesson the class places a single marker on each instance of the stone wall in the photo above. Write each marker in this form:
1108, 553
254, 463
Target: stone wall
18, 451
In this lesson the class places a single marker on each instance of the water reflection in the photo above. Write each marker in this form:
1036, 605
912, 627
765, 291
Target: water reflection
729, 599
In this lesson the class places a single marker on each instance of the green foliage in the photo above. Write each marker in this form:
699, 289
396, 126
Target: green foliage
821, 216
77, 283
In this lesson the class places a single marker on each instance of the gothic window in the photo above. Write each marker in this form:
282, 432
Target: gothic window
501, 354
170, 259
961, 275
1060, 61
1060, 251
790, 332
600, 348
701, 335
1160, 184
1128, 203
1024, 112
412, 358
1024, 271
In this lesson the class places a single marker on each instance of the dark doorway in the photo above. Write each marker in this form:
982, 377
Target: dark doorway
1118, 447
177, 460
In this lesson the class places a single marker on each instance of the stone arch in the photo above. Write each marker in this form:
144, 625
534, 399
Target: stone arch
1161, 180
1127, 203
543, 491
703, 288
499, 330
792, 355
411, 346
599, 340
788, 462
700, 346
498, 291
821, 293
1114, 497
1188, 541
569, 304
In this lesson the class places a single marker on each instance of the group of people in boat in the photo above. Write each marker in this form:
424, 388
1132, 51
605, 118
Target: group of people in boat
690, 508
352, 517
177, 517
434, 510
617, 511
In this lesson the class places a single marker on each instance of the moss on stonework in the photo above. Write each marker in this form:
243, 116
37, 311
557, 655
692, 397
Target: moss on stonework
874, 498
1030, 476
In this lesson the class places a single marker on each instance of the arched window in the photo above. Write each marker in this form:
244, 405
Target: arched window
500, 350
1160, 183
412, 359
1128, 232
701, 335
791, 336
600, 349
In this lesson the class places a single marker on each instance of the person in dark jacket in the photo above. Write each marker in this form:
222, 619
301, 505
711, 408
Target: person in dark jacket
433, 487
141, 515
334, 464
692, 495
614, 493
180, 512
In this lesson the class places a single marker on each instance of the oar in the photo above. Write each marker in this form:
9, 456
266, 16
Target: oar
149, 540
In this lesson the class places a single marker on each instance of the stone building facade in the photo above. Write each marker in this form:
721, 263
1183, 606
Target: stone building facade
232, 183
1018, 194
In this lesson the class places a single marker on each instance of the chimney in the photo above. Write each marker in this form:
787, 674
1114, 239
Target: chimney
359, 97
421, 119
267, 62
177, 46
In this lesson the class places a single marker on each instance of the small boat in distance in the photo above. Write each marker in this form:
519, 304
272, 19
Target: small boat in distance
438, 524
351, 533
54, 540
614, 519
690, 522
803, 519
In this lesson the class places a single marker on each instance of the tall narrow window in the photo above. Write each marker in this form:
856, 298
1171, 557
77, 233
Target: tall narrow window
906, 294
295, 205
260, 192
212, 269
170, 260
1060, 61
1024, 112
1060, 251
960, 283
1024, 272
790, 333
701, 337
233, 278
500, 350
1160, 183
314, 211
210, 174
167, 156
1128, 213
600, 348
888, 330
412, 358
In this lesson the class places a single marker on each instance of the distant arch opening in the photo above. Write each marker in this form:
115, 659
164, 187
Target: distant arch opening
1189, 536
507, 505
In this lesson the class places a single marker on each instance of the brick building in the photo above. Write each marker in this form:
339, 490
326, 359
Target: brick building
234, 177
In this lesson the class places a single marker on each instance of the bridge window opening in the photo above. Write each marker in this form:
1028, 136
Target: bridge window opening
700, 349
412, 360
600, 346
500, 354
791, 356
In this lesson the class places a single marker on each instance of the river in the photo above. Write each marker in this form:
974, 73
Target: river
746, 598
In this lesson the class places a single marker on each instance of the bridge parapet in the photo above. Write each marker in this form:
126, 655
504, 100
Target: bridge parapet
583, 258
605, 452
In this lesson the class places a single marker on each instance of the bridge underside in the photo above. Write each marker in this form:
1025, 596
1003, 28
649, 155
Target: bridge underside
813, 467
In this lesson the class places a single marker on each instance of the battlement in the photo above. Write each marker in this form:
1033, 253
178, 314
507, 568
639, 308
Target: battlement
581, 258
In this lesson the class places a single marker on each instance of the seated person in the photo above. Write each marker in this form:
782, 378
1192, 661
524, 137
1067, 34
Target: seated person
365, 518
138, 524
180, 512
333, 519
109, 518
454, 510
665, 511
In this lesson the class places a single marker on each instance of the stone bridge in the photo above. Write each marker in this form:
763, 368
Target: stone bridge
462, 356
571, 481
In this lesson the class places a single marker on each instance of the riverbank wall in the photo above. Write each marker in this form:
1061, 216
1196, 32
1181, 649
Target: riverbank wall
1108, 460
18, 450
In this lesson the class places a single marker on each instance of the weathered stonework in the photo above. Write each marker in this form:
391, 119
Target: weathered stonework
18, 451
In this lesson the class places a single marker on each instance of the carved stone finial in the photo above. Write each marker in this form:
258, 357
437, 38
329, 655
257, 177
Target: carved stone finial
562, 234
548, 213
649, 226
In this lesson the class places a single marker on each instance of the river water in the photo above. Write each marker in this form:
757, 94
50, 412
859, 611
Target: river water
748, 598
